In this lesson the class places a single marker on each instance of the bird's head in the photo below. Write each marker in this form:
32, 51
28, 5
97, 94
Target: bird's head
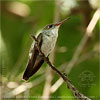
54, 27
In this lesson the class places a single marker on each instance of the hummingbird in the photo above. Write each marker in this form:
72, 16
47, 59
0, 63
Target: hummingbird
46, 40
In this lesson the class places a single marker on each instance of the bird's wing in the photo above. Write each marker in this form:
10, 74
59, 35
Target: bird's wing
35, 61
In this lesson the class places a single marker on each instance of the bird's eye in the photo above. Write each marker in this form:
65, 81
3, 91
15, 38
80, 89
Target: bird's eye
50, 26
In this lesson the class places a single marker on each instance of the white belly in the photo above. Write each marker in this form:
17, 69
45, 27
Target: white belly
48, 44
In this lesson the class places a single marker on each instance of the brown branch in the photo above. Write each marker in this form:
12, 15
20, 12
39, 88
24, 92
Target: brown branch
80, 47
49, 71
76, 93
42, 78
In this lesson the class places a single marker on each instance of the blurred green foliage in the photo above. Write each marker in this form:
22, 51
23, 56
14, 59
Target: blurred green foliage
15, 43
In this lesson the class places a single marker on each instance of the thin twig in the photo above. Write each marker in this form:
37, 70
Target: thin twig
89, 32
24, 86
49, 71
88, 56
42, 78
78, 51
77, 94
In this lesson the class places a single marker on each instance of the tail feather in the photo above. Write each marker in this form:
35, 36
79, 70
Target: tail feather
30, 64
36, 67
31, 70
35, 61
